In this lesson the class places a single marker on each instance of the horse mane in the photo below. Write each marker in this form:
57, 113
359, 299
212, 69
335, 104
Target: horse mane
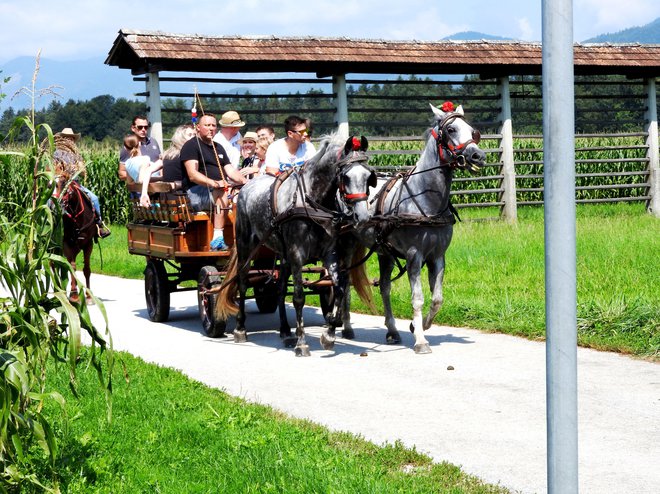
320, 171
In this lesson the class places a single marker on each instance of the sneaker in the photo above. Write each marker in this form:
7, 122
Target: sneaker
218, 244
103, 230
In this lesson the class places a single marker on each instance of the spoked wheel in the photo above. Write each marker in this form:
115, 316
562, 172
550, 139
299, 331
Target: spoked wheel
266, 297
156, 291
208, 277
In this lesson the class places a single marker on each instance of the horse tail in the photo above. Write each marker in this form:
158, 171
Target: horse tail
226, 304
359, 278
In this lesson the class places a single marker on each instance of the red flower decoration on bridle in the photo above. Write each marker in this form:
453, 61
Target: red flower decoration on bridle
356, 144
447, 106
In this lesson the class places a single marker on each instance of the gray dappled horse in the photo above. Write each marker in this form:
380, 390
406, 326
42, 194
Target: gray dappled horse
412, 219
295, 216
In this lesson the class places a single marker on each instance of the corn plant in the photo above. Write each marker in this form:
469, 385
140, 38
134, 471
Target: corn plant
38, 323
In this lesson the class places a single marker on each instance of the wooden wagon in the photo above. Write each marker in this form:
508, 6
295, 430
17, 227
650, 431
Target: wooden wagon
175, 242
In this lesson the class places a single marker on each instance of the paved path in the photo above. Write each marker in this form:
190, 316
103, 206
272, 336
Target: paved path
487, 415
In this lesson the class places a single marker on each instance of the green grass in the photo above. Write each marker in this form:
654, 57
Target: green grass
170, 434
494, 278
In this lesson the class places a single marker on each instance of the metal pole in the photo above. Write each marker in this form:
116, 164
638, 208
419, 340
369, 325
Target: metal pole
652, 143
153, 107
341, 104
560, 246
510, 208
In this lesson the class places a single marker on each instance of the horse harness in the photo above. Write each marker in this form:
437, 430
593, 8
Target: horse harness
69, 198
450, 158
332, 221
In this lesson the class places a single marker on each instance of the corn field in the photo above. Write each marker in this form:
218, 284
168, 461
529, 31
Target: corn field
608, 169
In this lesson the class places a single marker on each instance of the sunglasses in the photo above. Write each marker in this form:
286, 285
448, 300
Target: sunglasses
303, 132
141, 127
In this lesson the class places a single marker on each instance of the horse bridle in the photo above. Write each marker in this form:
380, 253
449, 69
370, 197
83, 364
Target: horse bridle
452, 155
345, 165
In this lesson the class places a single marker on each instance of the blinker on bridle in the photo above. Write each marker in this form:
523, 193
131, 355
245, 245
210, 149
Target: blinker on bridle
455, 156
358, 196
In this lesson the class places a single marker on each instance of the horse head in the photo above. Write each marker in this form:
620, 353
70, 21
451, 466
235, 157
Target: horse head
354, 178
457, 141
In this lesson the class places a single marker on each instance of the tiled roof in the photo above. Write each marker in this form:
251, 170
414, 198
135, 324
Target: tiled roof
142, 51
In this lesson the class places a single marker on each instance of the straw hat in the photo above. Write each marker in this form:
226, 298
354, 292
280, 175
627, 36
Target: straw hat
231, 119
249, 136
68, 132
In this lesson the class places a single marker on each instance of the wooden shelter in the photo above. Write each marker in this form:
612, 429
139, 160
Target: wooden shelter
149, 53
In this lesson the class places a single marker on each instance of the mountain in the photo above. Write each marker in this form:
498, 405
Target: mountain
646, 34
474, 35
86, 79
77, 80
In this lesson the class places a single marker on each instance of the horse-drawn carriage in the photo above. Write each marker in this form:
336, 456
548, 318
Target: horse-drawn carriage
175, 242
321, 212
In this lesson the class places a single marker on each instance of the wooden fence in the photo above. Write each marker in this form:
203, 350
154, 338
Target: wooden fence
615, 118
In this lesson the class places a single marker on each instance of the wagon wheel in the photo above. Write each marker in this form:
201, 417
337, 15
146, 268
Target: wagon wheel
208, 277
266, 295
156, 291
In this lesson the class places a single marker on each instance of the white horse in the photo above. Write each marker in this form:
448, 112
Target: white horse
412, 219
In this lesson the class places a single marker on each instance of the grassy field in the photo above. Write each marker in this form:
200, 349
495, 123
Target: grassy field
494, 278
170, 434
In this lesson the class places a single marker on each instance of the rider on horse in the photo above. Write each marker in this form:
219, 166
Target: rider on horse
69, 162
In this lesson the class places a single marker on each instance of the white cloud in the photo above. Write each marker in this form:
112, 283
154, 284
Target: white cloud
526, 30
603, 16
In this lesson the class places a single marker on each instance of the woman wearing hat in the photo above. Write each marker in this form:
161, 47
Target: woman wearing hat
253, 151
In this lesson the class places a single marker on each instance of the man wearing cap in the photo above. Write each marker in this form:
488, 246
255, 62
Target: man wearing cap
148, 147
208, 169
229, 136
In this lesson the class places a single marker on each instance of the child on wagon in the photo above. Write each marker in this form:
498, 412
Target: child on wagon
140, 167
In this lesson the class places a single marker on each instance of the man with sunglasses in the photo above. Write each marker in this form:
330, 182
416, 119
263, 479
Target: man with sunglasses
292, 150
148, 147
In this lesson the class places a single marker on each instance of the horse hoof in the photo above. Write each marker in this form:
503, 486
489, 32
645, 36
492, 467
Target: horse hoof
240, 336
392, 339
421, 348
302, 351
348, 334
327, 341
285, 333
290, 341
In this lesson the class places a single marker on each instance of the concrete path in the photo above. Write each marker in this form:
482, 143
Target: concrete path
485, 413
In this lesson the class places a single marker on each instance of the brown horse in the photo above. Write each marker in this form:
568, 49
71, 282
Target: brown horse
79, 230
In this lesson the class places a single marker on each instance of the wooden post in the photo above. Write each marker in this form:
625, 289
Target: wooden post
341, 104
510, 209
153, 107
652, 149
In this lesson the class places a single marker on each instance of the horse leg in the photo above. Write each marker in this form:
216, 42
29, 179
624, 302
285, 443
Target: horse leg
302, 348
74, 297
240, 333
436, 270
414, 267
87, 271
386, 266
334, 319
285, 328
347, 330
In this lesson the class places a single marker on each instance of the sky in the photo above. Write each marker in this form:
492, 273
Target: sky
68, 30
